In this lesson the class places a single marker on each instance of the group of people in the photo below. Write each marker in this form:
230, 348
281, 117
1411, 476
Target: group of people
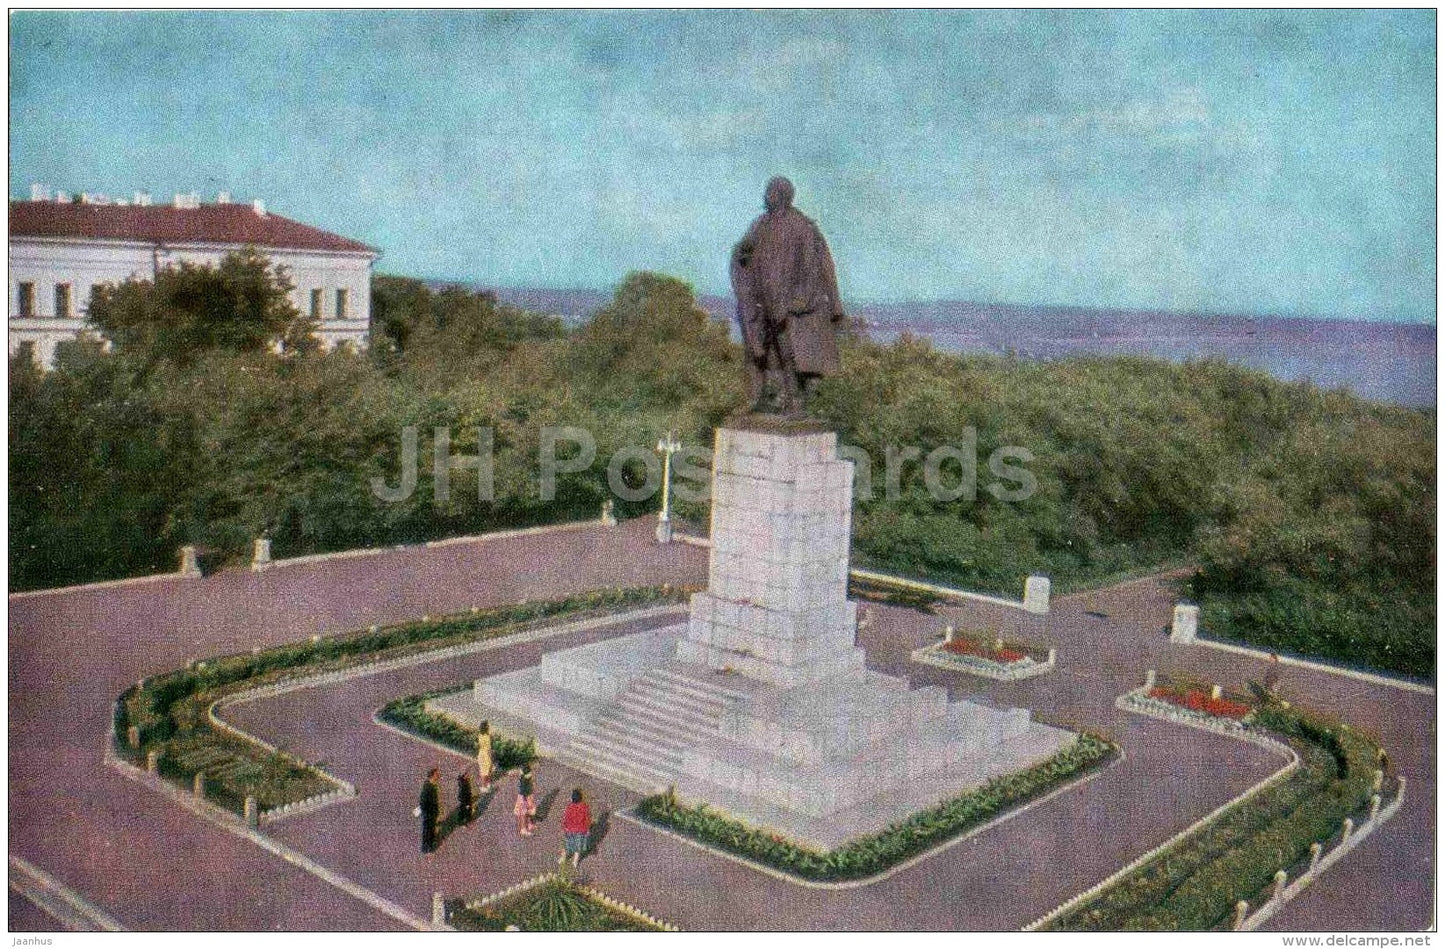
576, 821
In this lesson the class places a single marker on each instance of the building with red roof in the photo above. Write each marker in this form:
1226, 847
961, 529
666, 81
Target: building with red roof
62, 247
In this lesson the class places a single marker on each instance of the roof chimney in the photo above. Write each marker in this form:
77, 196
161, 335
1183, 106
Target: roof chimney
39, 192
142, 199
259, 207
188, 201
223, 197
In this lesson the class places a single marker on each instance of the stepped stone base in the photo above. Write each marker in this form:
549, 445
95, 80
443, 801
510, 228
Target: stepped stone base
761, 705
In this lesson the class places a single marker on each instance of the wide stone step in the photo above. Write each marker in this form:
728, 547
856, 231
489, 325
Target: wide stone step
670, 732
646, 735
658, 707
593, 754
640, 752
672, 696
715, 690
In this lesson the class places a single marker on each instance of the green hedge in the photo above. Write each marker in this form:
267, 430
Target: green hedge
873, 854
410, 715
1195, 885
169, 711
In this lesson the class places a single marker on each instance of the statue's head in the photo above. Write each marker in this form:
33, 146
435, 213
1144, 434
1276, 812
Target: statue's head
779, 194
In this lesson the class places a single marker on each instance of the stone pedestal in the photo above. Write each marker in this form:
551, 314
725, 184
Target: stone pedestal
1186, 624
1036, 594
761, 705
261, 555
190, 563
776, 607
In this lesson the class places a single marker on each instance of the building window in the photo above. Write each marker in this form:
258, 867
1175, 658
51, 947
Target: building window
341, 304
316, 304
62, 300
27, 299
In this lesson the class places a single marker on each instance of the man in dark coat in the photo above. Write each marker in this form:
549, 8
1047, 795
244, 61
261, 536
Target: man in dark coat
788, 304
429, 809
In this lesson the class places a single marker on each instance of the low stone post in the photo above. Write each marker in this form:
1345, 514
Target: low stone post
608, 518
1346, 830
948, 633
252, 813
1186, 623
1216, 693
1241, 910
261, 556
1036, 594
1053, 656
1316, 849
198, 784
132, 736
1400, 788
1149, 679
153, 761
1379, 780
190, 564
1279, 881
998, 643
438, 910
1374, 806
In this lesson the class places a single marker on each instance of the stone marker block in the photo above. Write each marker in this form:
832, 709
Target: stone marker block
1186, 623
1036, 594
261, 555
190, 563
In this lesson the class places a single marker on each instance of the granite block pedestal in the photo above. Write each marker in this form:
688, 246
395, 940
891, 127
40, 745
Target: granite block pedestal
761, 705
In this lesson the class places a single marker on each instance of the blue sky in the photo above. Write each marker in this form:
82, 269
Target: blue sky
1262, 162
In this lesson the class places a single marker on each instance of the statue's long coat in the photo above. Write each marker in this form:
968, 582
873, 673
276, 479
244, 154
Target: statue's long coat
786, 287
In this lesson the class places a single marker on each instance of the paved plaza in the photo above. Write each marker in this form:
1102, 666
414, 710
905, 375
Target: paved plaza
118, 844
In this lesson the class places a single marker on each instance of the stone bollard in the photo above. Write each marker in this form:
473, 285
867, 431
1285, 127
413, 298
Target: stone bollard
1149, 679
1241, 909
1186, 623
608, 518
1316, 849
132, 736
190, 565
1374, 806
252, 813
998, 644
1279, 880
198, 784
1400, 788
948, 634
261, 556
1346, 829
153, 761
1036, 594
438, 910
1053, 656
1216, 693
1379, 780
663, 533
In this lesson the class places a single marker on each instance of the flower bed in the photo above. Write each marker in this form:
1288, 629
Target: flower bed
170, 713
1199, 700
988, 656
553, 903
871, 855
1196, 884
1004, 655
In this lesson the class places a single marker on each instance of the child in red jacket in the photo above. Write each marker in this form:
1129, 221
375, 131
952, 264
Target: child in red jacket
577, 826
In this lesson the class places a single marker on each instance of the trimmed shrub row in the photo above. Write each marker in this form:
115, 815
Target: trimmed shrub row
867, 856
1195, 885
169, 711
410, 715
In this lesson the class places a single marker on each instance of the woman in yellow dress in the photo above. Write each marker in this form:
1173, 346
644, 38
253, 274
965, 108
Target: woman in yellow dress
484, 756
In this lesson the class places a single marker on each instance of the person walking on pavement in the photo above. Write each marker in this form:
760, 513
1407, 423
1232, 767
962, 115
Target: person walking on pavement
484, 756
526, 807
429, 809
465, 800
577, 828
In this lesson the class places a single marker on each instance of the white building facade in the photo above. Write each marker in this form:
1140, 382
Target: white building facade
60, 250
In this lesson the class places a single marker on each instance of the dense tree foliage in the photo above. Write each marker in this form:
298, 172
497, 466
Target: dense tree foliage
1309, 513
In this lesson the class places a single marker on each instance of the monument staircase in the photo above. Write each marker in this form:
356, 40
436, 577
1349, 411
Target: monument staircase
640, 738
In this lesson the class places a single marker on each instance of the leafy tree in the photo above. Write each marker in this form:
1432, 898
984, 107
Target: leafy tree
242, 305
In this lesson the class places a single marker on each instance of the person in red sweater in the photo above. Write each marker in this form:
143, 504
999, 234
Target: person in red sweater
577, 826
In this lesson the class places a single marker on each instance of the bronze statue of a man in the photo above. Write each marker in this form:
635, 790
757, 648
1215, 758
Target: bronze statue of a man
787, 293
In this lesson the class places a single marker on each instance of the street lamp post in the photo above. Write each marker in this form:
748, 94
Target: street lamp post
669, 446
